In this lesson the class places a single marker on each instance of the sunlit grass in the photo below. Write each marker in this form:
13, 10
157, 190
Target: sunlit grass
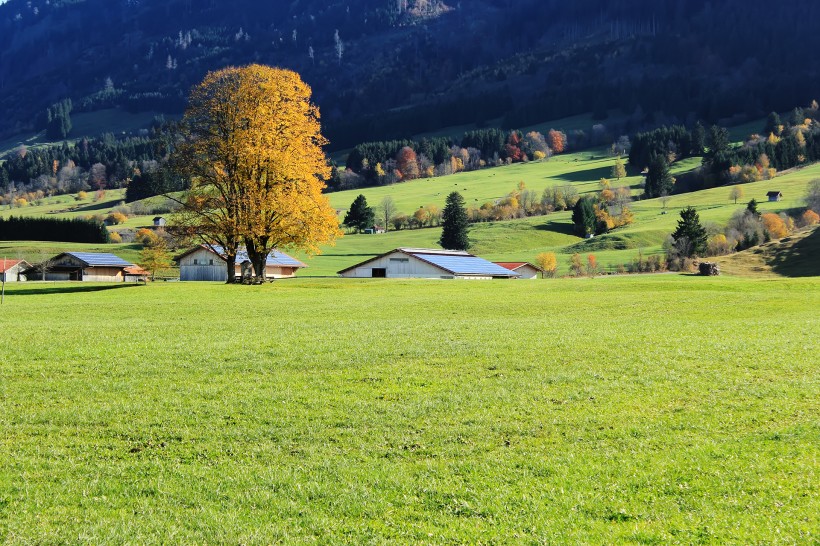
658, 410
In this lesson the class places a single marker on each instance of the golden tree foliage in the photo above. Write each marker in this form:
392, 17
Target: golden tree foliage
253, 150
775, 225
548, 262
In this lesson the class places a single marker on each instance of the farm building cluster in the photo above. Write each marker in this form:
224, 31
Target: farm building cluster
209, 263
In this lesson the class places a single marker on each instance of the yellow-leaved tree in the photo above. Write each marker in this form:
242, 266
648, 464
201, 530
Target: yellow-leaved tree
252, 148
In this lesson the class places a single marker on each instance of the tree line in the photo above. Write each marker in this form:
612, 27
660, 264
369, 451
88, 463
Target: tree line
90, 163
386, 162
75, 230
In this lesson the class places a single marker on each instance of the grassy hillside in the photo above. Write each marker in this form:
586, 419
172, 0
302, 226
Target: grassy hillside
509, 240
795, 256
524, 239
378, 412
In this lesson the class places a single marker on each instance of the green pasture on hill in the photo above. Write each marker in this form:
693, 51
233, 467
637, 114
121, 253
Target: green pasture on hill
514, 240
642, 410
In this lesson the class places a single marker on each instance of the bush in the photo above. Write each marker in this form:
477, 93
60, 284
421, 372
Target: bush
808, 219
718, 245
145, 236
775, 226
116, 218
114, 237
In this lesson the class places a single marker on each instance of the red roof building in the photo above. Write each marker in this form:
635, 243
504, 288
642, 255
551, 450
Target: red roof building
525, 269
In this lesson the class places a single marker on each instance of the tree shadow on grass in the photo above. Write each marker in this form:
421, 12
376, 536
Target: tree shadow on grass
557, 227
588, 175
801, 259
62, 289
99, 205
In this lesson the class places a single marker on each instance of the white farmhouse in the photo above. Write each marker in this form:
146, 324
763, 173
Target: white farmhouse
426, 263
208, 263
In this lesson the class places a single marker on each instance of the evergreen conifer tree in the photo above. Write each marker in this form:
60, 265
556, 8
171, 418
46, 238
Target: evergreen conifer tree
454, 224
360, 216
690, 231
583, 216
659, 180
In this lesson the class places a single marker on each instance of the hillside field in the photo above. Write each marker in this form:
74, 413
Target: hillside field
512, 240
664, 409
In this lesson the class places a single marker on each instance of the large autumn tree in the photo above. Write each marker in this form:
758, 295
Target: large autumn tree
252, 148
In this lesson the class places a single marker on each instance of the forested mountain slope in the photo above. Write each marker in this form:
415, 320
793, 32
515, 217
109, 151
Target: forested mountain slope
388, 68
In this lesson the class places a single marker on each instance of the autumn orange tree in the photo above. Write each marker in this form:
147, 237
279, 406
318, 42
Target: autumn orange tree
252, 148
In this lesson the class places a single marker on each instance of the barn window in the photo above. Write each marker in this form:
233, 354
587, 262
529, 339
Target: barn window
196, 262
210, 262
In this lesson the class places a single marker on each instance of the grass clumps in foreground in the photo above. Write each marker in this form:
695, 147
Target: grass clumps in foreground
648, 410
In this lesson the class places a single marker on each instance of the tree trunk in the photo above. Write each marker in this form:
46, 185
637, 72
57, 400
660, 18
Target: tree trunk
258, 254
231, 265
259, 267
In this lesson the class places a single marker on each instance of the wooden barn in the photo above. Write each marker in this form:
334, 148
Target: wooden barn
774, 196
81, 266
525, 269
207, 263
425, 263
13, 270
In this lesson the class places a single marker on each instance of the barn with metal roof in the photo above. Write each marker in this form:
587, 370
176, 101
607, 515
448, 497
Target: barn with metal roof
208, 263
427, 263
81, 266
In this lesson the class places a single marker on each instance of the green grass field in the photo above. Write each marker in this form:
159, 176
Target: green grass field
642, 410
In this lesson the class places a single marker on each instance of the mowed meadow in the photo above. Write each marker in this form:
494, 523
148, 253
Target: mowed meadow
648, 410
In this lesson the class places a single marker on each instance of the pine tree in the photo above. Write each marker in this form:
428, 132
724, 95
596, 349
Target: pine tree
773, 125
454, 224
360, 216
659, 181
691, 232
583, 216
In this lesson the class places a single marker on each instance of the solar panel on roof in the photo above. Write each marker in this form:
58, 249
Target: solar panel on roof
466, 265
100, 259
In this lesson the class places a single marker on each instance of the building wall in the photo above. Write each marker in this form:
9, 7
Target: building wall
209, 267
399, 266
13, 274
103, 274
528, 272
202, 265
